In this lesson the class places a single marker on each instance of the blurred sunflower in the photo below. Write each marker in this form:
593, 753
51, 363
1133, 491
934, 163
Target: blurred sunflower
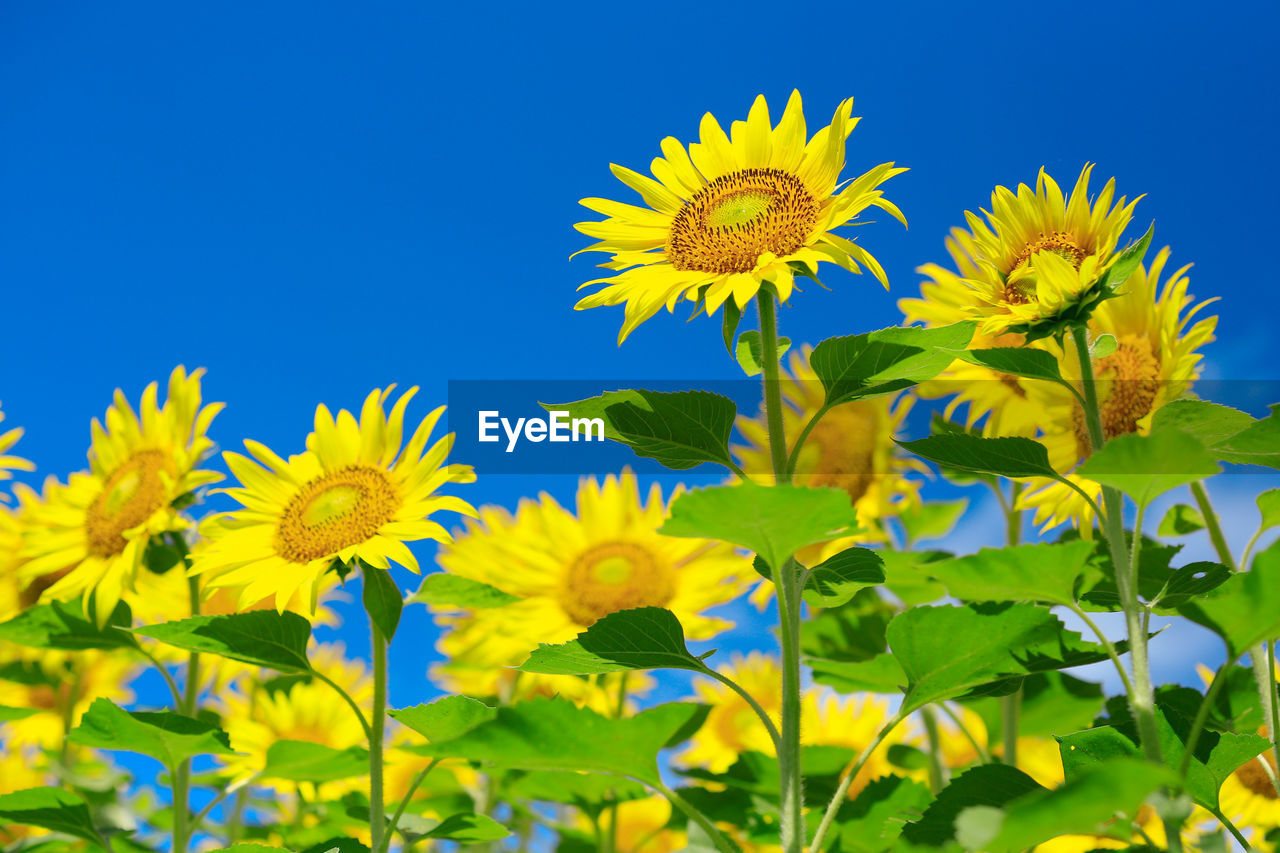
1156, 361
642, 827
255, 715
142, 468
60, 686
569, 569
1000, 401
20, 769
1040, 254
1249, 797
355, 494
8, 462
733, 728
734, 211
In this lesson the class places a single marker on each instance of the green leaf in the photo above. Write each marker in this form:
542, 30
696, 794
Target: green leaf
53, 809
1049, 574
62, 626
729, 326
1161, 585
554, 734
1181, 520
751, 353
680, 429
383, 600
1269, 507
1211, 423
1257, 444
773, 521
1006, 457
932, 519
851, 632
840, 577
589, 792
1146, 466
1026, 362
875, 819
1052, 702
259, 637
344, 844
469, 828
880, 674
642, 638
445, 719
1103, 346
1242, 611
1086, 805
303, 761
165, 736
948, 651
888, 360
991, 785
1127, 262
8, 714
443, 590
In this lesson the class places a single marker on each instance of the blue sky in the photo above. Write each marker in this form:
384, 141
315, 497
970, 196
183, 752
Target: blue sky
313, 199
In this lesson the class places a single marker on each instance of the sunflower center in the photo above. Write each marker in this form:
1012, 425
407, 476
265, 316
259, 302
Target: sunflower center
728, 224
133, 491
846, 439
1254, 777
1060, 243
335, 511
1129, 380
615, 576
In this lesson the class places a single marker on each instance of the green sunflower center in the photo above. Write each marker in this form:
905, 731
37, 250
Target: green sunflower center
615, 576
128, 498
728, 224
335, 511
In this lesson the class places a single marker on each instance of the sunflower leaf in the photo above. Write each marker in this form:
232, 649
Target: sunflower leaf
1011, 456
1258, 444
931, 519
165, 736
303, 761
1242, 609
446, 718
554, 734
881, 362
468, 828
1146, 466
772, 521
1026, 362
1047, 574
53, 809
679, 429
446, 590
838, 578
1181, 520
383, 600
729, 327
260, 637
62, 626
643, 638
751, 353
990, 785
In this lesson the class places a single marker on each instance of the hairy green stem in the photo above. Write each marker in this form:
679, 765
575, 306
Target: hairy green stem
1011, 705
716, 836
1214, 527
937, 772
1106, 644
377, 725
182, 822
842, 790
772, 388
769, 727
404, 804
1231, 828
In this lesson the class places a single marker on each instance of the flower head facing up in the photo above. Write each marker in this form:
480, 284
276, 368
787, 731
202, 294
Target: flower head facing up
142, 467
1041, 255
355, 494
569, 569
732, 212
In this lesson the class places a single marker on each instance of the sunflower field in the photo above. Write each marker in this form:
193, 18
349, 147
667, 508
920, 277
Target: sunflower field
890, 695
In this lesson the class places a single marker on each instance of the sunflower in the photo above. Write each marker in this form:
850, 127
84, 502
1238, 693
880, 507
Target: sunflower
142, 468
734, 211
999, 400
11, 463
353, 495
733, 728
1040, 254
60, 686
257, 716
642, 826
569, 569
20, 769
1249, 797
1156, 361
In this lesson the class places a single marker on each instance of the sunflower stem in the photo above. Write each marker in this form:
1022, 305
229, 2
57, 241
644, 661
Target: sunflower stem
1141, 695
377, 725
182, 822
772, 389
1011, 705
842, 790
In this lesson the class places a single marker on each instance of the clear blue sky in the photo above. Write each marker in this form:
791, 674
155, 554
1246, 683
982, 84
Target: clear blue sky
312, 198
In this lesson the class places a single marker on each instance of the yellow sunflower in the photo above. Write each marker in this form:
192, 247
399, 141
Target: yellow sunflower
568, 569
733, 728
1249, 797
1000, 401
142, 467
68, 683
355, 494
255, 717
642, 827
1156, 361
20, 769
734, 211
7, 462
1039, 253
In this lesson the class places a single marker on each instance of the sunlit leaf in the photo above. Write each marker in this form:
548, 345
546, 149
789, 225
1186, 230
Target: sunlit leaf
931, 519
304, 761
383, 600
1146, 466
642, 638
751, 354
446, 590
468, 828
260, 637
1049, 574
53, 809
1006, 457
888, 360
446, 718
1242, 610
838, 578
165, 736
63, 626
